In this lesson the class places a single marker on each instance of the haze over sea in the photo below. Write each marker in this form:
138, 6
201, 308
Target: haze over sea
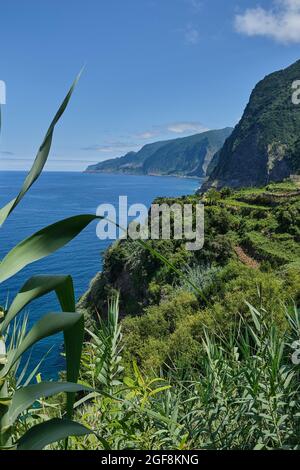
54, 197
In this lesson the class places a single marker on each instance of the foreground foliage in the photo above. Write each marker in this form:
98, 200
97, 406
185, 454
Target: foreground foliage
243, 394
17, 396
193, 366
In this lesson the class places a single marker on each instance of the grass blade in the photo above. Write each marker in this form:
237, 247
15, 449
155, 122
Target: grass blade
38, 437
42, 244
26, 396
48, 325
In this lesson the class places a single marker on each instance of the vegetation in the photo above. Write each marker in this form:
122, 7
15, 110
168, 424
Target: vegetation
17, 395
241, 393
251, 252
265, 145
205, 355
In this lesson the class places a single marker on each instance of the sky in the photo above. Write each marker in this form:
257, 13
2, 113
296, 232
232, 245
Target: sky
153, 70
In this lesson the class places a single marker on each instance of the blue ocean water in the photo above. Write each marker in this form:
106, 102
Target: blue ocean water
54, 197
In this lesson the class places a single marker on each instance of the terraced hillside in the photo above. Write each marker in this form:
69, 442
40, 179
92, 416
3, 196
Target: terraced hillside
251, 253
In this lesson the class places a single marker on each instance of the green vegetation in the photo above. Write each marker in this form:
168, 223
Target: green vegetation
251, 253
265, 145
17, 395
241, 393
178, 357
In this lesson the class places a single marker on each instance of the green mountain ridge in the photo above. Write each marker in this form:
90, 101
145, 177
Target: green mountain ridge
265, 145
187, 156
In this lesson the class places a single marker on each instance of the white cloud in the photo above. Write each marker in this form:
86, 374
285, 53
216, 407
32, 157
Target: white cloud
186, 127
182, 127
116, 148
196, 4
191, 35
112, 147
282, 22
146, 135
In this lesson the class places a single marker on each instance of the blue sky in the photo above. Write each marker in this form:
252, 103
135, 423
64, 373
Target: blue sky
154, 69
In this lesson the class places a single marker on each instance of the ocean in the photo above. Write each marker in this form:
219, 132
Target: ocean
56, 196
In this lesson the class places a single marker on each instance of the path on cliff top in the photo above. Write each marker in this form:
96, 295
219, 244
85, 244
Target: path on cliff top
245, 259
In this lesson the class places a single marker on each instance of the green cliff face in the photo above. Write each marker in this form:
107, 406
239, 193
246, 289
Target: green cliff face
265, 145
187, 156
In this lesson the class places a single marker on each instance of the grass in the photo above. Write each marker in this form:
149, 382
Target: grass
244, 396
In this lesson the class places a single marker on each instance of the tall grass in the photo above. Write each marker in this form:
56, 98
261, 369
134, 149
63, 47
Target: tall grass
244, 394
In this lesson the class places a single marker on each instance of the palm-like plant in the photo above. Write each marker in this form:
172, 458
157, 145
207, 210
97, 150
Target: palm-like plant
14, 402
104, 354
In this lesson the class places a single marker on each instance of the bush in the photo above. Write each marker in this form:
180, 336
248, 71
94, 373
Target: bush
157, 323
243, 393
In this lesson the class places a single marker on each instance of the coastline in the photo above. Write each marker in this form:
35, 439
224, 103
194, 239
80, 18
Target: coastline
148, 174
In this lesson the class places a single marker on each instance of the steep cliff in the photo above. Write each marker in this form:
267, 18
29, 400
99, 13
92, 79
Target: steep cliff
187, 156
265, 145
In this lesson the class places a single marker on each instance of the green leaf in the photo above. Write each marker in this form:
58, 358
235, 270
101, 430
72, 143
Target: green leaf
40, 159
159, 390
38, 437
48, 325
73, 339
42, 244
24, 397
54, 237
38, 286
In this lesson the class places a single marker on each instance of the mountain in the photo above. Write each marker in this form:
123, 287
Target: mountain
187, 156
265, 145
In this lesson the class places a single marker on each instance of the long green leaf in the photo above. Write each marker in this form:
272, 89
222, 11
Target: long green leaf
38, 437
36, 287
40, 159
73, 339
42, 244
54, 237
48, 325
24, 397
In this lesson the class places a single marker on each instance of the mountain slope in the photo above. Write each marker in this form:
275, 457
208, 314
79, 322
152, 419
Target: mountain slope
187, 156
265, 145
